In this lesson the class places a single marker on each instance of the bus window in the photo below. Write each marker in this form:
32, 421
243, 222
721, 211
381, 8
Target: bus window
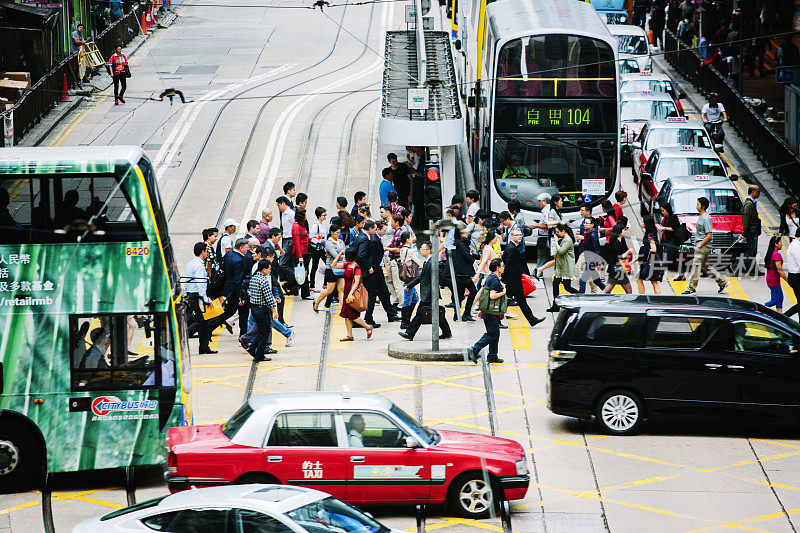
45, 208
556, 66
118, 352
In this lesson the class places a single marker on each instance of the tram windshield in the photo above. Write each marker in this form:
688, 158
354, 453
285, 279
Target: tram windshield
564, 66
526, 167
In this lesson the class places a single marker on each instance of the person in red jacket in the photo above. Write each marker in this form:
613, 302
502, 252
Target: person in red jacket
118, 68
300, 241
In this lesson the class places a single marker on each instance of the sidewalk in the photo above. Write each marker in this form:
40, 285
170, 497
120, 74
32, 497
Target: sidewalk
738, 153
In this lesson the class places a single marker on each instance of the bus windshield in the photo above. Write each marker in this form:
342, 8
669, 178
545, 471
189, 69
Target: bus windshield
641, 110
556, 66
721, 201
677, 137
525, 168
632, 44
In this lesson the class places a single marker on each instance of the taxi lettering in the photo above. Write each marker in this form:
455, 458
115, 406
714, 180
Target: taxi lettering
312, 470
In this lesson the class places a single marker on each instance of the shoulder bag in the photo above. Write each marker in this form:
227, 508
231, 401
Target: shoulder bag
496, 307
408, 270
360, 299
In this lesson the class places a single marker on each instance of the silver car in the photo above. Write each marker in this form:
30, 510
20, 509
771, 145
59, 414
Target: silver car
238, 509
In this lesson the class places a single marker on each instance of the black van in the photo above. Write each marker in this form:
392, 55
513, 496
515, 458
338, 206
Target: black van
625, 358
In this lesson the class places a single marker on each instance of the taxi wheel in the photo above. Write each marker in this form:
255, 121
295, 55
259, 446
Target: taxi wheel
21, 458
470, 496
620, 412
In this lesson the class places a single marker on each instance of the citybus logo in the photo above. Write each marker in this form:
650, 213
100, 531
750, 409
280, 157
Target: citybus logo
102, 405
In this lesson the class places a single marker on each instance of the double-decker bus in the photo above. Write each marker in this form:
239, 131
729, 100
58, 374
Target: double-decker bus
541, 81
94, 365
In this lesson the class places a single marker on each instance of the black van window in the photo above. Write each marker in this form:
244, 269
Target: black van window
608, 330
679, 332
760, 338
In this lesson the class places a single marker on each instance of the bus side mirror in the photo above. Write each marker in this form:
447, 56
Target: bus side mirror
484, 154
457, 44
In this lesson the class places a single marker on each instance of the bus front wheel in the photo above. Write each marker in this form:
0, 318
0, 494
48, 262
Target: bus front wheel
21, 458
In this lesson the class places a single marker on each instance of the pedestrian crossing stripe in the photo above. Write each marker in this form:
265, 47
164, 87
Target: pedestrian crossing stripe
278, 340
519, 330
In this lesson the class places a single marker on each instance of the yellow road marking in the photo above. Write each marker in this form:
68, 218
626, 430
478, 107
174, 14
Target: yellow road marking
606, 450
381, 362
618, 289
677, 286
788, 292
520, 333
436, 421
278, 340
751, 461
741, 523
795, 446
594, 496
735, 289
59, 496
338, 330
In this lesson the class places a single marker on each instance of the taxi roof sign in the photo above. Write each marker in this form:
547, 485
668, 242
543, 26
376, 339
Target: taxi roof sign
687, 147
647, 92
677, 119
645, 73
702, 177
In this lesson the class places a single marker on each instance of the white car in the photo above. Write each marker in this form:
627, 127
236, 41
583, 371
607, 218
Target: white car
671, 131
644, 81
627, 64
671, 161
240, 509
633, 40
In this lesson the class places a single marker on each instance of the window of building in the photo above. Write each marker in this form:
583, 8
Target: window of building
303, 429
119, 352
761, 338
372, 430
51, 208
679, 332
608, 330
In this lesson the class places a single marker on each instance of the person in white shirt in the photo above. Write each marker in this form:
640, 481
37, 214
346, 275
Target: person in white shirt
713, 110
226, 241
287, 221
195, 292
793, 270
357, 427
473, 204
543, 240
317, 235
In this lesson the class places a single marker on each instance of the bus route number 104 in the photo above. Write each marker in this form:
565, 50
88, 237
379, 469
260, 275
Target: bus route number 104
578, 117
139, 251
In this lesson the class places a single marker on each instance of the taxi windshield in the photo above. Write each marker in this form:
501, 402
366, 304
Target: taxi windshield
628, 66
677, 137
688, 166
721, 201
632, 86
428, 436
641, 110
632, 44
334, 515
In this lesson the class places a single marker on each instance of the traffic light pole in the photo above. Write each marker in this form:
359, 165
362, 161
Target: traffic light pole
435, 287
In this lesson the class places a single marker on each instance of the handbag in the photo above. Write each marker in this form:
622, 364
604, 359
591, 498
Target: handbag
528, 285
496, 307
300, 273
407, 270
360, 299
126, 73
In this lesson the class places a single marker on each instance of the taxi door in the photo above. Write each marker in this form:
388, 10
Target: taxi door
380, 466
303, 448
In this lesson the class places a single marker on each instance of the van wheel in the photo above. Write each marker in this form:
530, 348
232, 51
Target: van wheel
470, 496
620, 412
21, 457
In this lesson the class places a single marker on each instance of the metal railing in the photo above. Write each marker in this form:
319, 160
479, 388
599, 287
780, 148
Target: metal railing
770, 148
37, 101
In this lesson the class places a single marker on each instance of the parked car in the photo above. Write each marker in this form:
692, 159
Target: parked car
624, 359
672, 131
651, 81
725, 209
360, 448
238, 509
633, 40
635, 110
669, 161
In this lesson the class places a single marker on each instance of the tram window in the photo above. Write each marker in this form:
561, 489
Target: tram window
119, 352
44, 208
556, 66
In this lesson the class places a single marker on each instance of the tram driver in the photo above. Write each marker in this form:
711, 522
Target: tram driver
95, 356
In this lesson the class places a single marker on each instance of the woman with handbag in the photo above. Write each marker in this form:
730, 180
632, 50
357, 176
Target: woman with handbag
493, 305
356, 300
650, 255
334, 248
120, 72
300, 243
410, 266
317, 234
564, 262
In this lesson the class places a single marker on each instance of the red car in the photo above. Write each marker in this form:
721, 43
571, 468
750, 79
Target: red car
360, 448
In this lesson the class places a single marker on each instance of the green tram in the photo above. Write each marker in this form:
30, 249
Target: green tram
94, 361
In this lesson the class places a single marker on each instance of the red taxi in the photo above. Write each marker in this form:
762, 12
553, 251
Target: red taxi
672, 131
360, 448
725, 209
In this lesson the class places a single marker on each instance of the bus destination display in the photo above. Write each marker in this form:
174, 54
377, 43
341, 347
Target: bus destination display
553, 117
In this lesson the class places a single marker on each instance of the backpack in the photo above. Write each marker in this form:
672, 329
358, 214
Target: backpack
496, 307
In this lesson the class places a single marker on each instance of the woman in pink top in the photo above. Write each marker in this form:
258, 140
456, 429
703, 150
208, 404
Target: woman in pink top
117, 67
773, 261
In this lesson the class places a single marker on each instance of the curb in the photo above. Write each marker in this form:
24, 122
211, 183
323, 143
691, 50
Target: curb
421, 351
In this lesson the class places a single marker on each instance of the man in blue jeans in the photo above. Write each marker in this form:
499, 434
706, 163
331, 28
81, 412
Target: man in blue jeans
492, 322
262, 307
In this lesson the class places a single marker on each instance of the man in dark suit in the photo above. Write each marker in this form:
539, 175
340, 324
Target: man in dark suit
237, 264
512, 277
369, 256
426, 298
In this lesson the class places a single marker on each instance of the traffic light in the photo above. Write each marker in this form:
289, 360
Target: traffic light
433, 192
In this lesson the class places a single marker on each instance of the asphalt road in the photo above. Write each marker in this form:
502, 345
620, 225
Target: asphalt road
307, 99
